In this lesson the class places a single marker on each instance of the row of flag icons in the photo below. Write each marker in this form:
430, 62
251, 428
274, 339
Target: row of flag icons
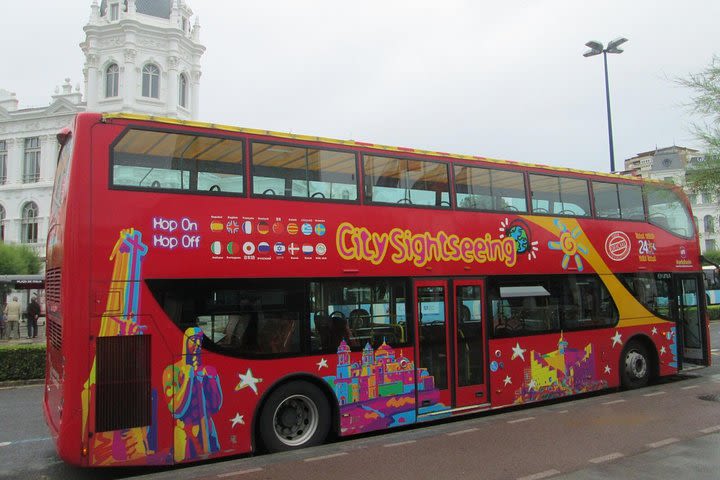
249, 248
263, 227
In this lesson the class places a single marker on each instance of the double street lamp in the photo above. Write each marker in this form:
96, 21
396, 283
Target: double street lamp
596, 48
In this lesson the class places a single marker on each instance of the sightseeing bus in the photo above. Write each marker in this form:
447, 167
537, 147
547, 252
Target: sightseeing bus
215, 291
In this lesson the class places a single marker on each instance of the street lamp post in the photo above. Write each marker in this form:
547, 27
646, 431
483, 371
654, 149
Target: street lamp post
596, 48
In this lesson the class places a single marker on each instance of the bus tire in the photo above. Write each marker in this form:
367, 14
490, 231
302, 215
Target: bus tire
296, 415
635, 366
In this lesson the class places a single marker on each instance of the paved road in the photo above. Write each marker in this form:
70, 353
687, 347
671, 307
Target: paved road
664, 431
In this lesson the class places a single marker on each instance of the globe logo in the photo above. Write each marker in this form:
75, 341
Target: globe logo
518, 233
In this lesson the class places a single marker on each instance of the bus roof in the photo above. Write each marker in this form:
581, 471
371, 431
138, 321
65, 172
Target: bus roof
353, 143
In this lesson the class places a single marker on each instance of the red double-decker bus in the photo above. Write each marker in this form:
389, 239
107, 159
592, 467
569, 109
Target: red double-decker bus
214, 290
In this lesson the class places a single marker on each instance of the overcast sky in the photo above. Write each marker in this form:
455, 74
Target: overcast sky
502, 79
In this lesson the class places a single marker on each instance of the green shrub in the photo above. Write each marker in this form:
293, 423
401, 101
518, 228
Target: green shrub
714, 311
22, 362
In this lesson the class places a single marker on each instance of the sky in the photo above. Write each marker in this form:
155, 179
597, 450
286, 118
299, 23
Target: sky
501, 79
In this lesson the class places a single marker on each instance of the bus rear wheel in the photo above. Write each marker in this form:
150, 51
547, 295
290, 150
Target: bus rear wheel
296, 415
635, 366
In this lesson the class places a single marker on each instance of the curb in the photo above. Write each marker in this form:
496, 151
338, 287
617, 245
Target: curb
21, 383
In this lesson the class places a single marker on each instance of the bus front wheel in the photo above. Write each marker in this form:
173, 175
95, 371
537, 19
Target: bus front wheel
296, 415
635, 366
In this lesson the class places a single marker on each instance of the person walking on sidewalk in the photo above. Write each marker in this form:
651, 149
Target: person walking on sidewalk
33, 312
2, 323
12, 314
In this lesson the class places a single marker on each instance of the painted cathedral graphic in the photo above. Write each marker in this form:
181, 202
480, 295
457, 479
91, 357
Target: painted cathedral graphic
379, 392
565, 371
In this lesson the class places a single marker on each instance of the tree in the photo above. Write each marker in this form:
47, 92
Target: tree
713, 256
17, 260
704, 176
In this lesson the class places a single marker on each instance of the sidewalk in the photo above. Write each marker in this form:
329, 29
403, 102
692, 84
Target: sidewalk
698, 458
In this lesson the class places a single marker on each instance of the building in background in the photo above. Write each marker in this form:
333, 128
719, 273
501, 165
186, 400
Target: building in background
669, 165
141, 56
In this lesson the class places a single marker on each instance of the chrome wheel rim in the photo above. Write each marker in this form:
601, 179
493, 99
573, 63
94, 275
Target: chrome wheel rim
295, 420
636, 365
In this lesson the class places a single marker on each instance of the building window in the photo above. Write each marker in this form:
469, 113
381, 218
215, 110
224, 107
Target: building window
709, 222
3, 162
710, 244
31, 167
183, 91
112, 80
151, 81
29, 223
2, 223
114, 11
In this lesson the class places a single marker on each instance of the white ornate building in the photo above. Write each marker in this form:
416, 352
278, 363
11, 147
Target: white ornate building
141, 56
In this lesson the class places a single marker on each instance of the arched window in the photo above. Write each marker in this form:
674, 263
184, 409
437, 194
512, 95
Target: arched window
709, 224
151, 81
29, 223
112, 80
183, 91
2, 223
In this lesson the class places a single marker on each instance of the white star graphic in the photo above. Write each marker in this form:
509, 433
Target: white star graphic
248, 380
662, 350
507, 380
518, 352
322, 364
607, 369
531, 385
616, 339
237, 420
654, 331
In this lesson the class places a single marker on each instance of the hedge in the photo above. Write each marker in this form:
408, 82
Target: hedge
714, 311
22, 362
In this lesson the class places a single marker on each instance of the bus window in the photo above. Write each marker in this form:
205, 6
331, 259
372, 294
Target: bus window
667, 211
358, 312
652, 290
547, 304
297, 172
400, 181
607, 202
616, 200
559, 195
488, 189
172, 161
632, 206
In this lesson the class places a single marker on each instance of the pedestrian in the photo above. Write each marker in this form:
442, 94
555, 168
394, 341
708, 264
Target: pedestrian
2, 323
12, 314
33, 312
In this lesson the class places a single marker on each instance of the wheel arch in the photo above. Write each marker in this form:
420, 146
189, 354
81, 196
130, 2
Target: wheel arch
304, 377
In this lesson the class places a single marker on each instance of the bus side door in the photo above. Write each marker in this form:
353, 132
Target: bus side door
450, 344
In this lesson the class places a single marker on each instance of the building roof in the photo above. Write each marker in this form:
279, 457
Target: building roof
154, 8
660, 151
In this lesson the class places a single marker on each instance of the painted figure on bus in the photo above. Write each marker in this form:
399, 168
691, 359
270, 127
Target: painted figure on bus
122, 318
194, 394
